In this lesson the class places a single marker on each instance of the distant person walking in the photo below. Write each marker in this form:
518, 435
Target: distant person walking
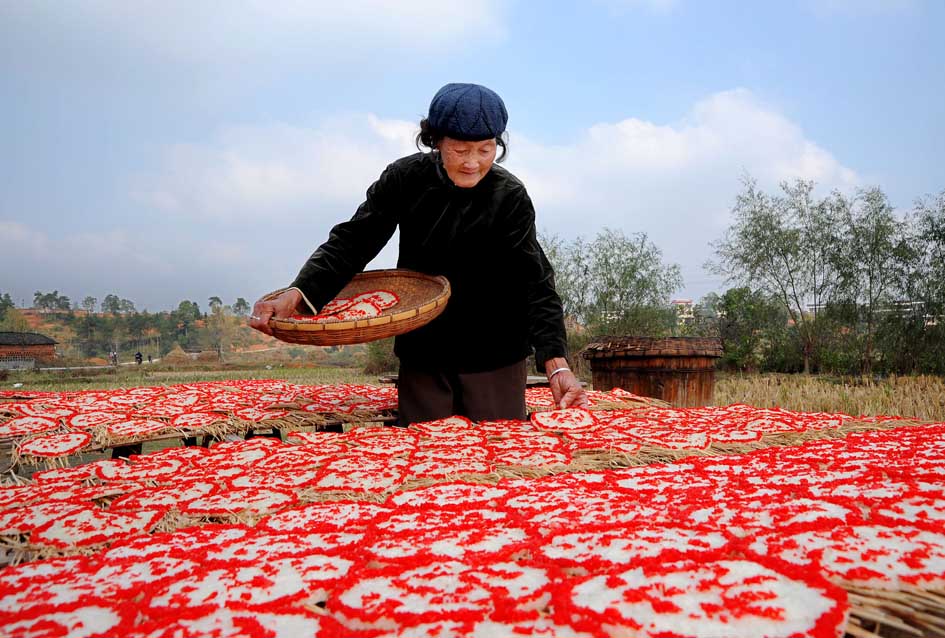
138, 358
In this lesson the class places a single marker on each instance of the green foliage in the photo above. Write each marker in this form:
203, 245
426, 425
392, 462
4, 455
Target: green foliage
380, 357
111, 304
241, 307
221, 326
861, 285
14, 321
784, 246
47, 301
6, 303
748, 324
614, 284
188, 311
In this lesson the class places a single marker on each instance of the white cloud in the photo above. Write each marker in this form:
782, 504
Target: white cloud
287, 171
675, 181
240, 35
278, 170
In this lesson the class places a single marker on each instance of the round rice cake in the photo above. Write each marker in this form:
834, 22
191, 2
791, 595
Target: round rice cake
569, 419
732, 598
876, 556
54, 445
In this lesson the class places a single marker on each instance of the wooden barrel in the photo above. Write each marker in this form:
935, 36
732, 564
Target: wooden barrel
678, 370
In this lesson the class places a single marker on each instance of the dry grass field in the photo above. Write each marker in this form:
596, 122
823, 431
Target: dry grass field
920, 397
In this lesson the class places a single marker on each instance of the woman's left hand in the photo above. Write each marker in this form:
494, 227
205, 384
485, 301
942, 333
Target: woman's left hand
565, 387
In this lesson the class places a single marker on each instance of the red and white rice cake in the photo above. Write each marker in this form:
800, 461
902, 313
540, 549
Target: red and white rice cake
196, 420
604, 548
263, 583
94, 418
263, 546
383, 299
356, 311
93, 526
567, 420
369, 475
462, 534
238, 621
24, 425
86, 619
144, 469
135, 428
391, 597
519, 456
873, 556
54, 445
453, 495
241, 502
175, 496
732, 598
572, 507
354, 516
191, 541
23, 520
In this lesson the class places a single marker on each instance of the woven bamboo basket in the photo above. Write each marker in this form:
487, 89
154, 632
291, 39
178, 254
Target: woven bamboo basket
422, 299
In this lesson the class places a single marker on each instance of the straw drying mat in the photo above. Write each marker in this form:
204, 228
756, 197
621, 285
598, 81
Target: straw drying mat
849, 510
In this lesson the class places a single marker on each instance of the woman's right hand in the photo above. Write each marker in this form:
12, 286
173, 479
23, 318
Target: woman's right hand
282, 306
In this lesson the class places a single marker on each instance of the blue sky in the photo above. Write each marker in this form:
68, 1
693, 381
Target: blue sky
178, 150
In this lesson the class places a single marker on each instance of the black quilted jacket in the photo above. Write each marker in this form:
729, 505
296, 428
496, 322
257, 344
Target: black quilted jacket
482, 239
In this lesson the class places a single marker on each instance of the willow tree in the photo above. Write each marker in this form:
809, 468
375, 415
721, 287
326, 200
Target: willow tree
870, 263
614, 283
785, 245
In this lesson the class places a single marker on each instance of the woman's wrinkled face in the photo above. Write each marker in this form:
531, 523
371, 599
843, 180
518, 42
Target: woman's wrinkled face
467, 162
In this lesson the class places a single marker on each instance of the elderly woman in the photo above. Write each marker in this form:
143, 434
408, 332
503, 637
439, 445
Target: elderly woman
463, 217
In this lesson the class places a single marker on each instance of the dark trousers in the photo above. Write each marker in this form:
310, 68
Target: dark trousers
426, 395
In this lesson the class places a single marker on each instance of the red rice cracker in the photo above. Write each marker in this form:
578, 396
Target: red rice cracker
241, 502
623, 545
23, 425
352, 516
79, 620
873, 556
93, 526
732, 598
54, 445
409, 594
238, 621
383, 299
567, 420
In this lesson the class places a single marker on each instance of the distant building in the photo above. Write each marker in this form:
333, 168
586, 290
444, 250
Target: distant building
685, 310
900, 308
25, 349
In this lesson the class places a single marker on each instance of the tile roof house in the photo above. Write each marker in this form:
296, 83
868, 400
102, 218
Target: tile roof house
25, 349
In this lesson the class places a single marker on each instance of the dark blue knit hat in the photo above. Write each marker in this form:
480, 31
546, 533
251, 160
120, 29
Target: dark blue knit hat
468, 112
